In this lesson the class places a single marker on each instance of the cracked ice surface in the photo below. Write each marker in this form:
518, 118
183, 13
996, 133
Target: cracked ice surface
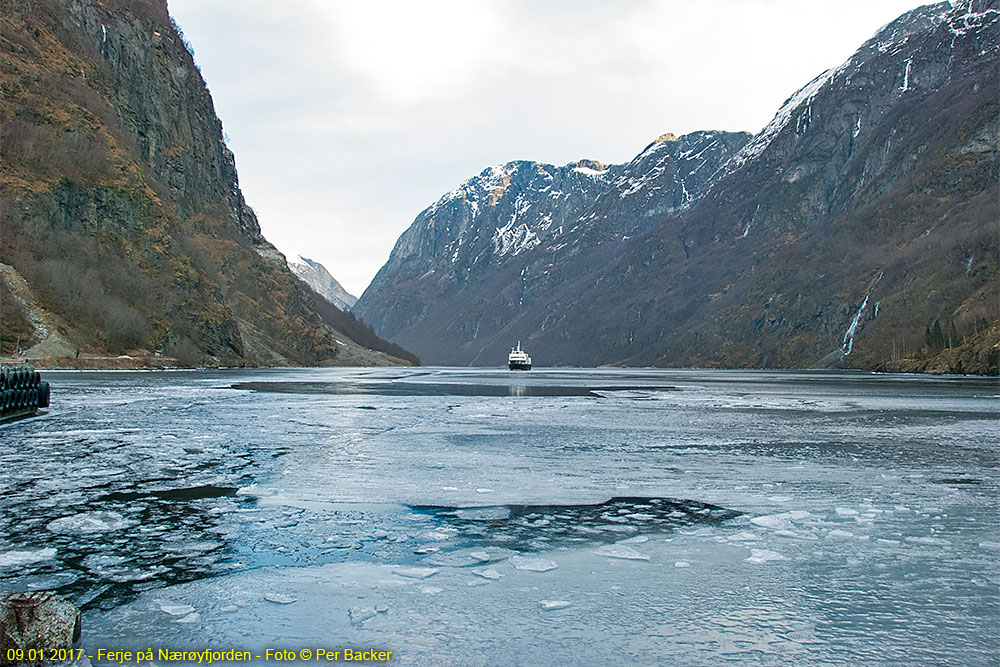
456, 515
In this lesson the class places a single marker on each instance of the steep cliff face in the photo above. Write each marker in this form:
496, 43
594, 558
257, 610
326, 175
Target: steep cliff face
474, 239
319, 278
478, 256
122, 215
861, 215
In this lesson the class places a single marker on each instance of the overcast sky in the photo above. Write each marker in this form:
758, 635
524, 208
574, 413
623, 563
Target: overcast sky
349, 118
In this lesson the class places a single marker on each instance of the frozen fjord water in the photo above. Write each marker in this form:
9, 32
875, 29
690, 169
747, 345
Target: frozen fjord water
855, 516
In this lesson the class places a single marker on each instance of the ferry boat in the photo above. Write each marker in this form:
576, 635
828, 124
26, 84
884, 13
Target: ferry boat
518, 359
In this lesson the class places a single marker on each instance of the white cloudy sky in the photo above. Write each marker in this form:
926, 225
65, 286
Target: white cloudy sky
349, 118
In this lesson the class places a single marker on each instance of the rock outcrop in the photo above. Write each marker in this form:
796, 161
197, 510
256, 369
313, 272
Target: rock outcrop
122, 211
37, 629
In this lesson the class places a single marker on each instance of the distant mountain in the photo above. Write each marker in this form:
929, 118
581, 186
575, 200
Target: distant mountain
859, 221
316, 276
125, 234
474, 259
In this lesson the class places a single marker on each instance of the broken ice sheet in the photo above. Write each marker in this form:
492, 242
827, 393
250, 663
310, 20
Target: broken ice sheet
534, 527
743, 536
622, 551
781, 521
554, 604
176, 609
359, 615
532, 564
90, 522
763, 556
416, 572
18, 558
488, 573
279, 598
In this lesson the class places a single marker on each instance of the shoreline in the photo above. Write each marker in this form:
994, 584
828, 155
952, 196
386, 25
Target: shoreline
146, 363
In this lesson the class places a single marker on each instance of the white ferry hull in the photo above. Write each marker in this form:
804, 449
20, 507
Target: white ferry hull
518, 359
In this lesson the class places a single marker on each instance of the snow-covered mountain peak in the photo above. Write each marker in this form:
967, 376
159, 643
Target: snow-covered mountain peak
762, 139
318, 277
590, 168
897, 47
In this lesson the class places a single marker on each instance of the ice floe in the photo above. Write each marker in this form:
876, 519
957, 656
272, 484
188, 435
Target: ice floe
532, 563
554, 604
416, 572
763, 556
359, 615
836, 532
176, 609
935, 541
743, 536
783, 521
488, 573
18, 558
622, 551
90, 522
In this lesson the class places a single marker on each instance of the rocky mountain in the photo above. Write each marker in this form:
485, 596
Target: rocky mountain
474, 259
125, 233
860, 217
318, 277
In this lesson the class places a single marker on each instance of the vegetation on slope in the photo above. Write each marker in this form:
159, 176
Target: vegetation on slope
121, 205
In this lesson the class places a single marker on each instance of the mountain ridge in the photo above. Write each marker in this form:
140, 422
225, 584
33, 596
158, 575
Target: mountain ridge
319, 278
505, 221
864, 198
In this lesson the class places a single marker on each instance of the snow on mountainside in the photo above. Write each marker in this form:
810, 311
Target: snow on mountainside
490, 233
862, 214
503, 210
761, 140
961, 19
318, 277
838, 235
